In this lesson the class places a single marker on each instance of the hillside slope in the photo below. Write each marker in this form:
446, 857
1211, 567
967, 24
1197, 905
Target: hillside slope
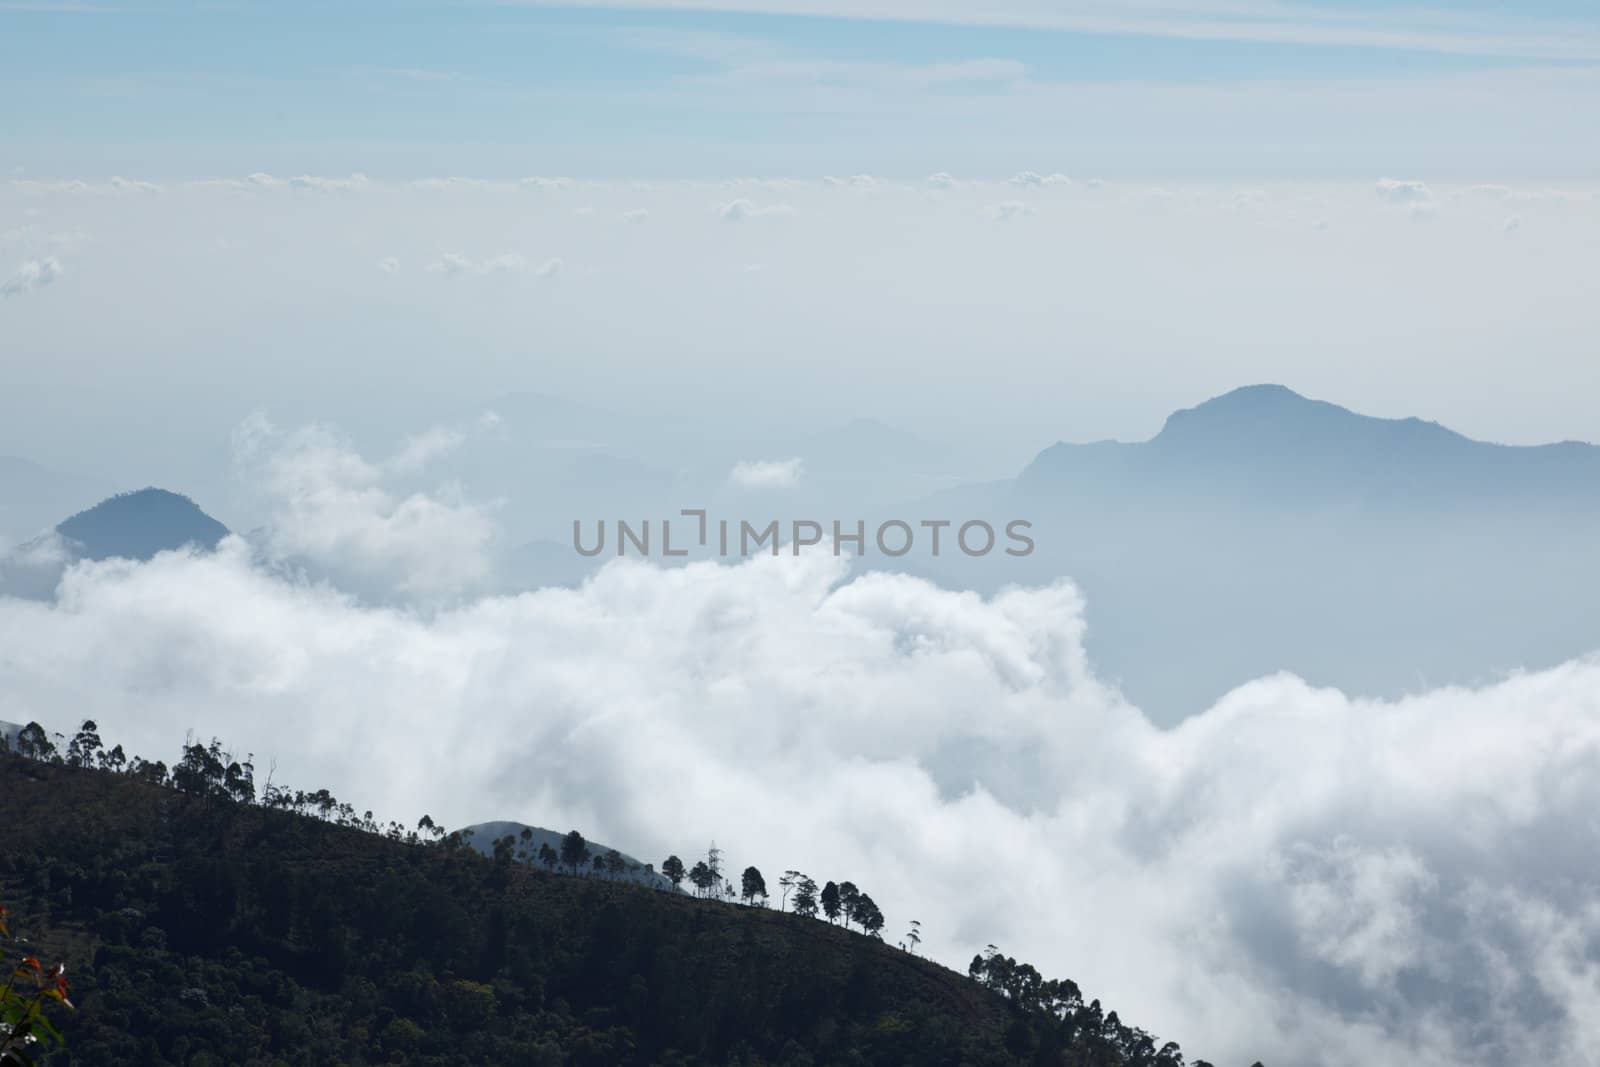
202, 931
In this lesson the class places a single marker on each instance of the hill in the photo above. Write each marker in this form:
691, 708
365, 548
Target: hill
138, 525
484, 834
203, 930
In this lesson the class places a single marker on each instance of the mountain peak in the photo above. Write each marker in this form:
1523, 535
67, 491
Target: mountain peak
137, 525
1252, 407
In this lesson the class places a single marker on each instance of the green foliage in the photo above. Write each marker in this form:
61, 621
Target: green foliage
31, 987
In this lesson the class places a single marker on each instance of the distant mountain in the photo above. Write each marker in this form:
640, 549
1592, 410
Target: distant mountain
138, 525
1263, 531
484, 835
1269, 445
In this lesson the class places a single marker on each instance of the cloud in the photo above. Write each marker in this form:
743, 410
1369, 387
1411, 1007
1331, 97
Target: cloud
546, 184
637, 214
345, 517
766, 474
1467, 33
1028, 177
741, 209
1008, 210
1396, 191
32, 274
1292, 875
456, 264
942, 180
389, 265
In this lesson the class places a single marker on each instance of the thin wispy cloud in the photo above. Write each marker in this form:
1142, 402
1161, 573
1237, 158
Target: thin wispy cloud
1425, 30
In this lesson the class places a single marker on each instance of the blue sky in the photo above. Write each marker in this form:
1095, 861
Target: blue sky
677, 88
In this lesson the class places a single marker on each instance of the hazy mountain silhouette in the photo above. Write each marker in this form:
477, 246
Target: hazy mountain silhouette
485, 833
138, 525
1263, 531
1270, 446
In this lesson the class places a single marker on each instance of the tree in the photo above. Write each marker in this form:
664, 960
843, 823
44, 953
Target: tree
615, 864
114, 761
787, 882
914, 937
701, 878
574, 850
849, 898
85, 746
830, 901
868, 915
672, 868
805, 897
599, 864
34, 743
752, 885
548, 856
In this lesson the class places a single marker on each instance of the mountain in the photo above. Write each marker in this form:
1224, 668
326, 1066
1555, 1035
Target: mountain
1269, 446
138, 525
199, 929
1263, 531
485, 834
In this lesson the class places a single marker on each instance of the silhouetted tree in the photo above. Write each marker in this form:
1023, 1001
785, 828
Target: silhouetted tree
914, 937
700, 877
85, 745
548, 856
672, 868
830, 901
805, 897
615, 864
574, 851
752, 885
34, 743
868, 916
849, 897
788, 881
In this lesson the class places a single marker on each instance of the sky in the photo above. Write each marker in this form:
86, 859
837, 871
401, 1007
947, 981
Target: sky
768, 88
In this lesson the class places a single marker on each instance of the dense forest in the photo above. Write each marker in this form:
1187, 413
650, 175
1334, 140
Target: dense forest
200, 924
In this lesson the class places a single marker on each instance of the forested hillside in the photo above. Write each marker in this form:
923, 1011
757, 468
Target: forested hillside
200, 927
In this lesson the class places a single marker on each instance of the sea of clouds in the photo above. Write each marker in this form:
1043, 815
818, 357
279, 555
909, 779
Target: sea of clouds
1291, 875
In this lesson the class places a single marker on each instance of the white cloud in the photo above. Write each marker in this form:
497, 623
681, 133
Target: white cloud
1008, 210
547, 184
454, 263
32, 274
389, 265
1468, 33
741, 209
1028, 177
1292, 875
942, 180
766, 474
1396, 191
345, 517
637, 214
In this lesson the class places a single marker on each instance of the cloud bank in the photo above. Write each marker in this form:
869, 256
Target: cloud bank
1291, 875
